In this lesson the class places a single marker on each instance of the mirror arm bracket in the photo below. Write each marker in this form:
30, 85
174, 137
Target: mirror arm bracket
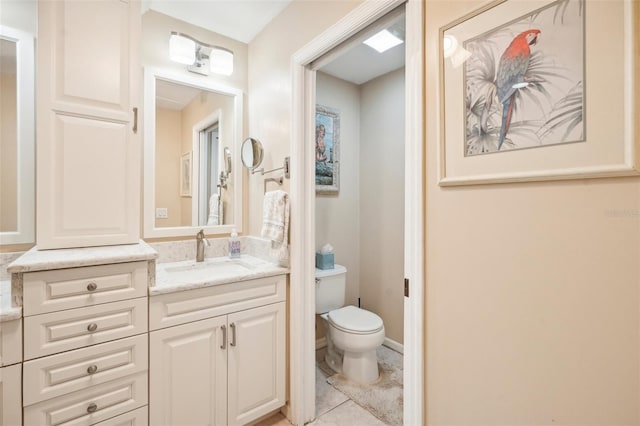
285, 167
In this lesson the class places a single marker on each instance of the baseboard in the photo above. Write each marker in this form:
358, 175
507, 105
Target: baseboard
391, 344
321, 343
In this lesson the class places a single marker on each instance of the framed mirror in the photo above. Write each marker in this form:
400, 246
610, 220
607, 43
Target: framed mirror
17, 137
192, 129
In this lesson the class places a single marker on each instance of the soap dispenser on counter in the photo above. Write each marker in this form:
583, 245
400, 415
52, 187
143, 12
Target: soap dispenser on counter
234, 245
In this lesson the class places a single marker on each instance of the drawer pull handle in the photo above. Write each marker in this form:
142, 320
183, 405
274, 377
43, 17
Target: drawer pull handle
92, 286
92, 408
224, 337
233, 334
92, 327
92, 369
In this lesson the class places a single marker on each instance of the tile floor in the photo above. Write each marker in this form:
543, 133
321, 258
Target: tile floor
334, 408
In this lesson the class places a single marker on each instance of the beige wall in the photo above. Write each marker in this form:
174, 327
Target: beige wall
338, 216
198, 109
8, 152
168, 151
364, 222
532, 297
382, 200
156, 28
270, 84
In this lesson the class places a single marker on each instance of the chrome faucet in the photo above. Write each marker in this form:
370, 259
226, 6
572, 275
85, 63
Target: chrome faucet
201, 241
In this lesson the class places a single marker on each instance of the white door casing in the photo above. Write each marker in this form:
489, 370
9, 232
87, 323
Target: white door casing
302, 296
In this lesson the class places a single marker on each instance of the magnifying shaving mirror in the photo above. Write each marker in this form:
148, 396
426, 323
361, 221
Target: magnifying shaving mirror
252, 153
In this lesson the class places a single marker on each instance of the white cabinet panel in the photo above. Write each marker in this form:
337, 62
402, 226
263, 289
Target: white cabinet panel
10, 342
55, 290
139, 417
89, 406
188, 379
67, 372
88, 155
10, 395
55, 332
256, 362
178, 308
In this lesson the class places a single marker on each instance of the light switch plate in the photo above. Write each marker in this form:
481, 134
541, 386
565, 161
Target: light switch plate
162, 213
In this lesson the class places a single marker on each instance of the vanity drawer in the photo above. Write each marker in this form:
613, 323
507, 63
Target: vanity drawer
139, 417
62, 331
56, 375
10, 342
167, 310
51, 291
92, 405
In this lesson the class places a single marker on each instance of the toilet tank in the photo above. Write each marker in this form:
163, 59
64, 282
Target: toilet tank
330, 288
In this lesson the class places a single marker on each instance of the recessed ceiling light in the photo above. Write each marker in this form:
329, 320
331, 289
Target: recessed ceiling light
383, 41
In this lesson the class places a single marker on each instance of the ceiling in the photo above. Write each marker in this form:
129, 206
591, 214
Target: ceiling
174, 96
243, 19
240, 20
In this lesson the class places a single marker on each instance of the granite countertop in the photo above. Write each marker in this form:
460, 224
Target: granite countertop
8, 312
40, 260
187, 275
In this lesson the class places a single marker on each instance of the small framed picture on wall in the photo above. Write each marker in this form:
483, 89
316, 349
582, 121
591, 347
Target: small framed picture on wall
327, 149
185, 174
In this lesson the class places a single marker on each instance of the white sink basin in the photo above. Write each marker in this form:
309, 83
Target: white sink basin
192, 271
212, 266
189, 274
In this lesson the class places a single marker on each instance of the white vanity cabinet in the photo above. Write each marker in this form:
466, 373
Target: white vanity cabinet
88, 157
85, 345
228, 369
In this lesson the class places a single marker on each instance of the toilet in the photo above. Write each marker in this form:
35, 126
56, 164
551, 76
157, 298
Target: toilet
353, 334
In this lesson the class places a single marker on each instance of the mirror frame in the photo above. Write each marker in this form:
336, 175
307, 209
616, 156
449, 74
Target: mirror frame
149, 163
25, 126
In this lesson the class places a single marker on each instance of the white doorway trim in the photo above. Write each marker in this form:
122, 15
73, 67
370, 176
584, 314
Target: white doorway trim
301, 407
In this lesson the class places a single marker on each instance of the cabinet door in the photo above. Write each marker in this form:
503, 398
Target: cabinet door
188, 376
10, 395
256, 362
88, 157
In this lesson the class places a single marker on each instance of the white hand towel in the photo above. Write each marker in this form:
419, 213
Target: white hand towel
215, 210
275, 223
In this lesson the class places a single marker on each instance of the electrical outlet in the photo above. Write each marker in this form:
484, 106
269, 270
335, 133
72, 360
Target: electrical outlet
162, 213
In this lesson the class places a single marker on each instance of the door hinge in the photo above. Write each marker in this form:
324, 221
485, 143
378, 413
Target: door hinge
406, 287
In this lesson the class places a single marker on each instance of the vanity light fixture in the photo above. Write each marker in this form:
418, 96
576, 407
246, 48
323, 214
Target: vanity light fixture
383, 41
200, 57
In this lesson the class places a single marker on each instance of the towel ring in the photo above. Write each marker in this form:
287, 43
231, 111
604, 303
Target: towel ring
277, 180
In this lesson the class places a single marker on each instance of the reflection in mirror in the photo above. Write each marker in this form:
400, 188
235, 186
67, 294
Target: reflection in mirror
16, 137
252, 153
192, 128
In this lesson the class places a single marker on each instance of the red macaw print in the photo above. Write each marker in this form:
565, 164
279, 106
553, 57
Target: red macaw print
510, 77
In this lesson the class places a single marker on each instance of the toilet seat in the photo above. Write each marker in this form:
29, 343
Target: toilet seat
351, 319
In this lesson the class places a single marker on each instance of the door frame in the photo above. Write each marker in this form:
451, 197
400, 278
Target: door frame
301, 407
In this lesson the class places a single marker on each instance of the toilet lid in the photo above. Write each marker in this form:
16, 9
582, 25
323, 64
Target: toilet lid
355, 319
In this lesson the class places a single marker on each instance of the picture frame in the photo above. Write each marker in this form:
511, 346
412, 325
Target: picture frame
185, 174
605, 145
327, 149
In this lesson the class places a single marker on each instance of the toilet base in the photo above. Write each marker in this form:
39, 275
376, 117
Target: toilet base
361, 367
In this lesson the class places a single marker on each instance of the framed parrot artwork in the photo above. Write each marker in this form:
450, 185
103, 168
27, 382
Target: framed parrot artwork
538, 90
